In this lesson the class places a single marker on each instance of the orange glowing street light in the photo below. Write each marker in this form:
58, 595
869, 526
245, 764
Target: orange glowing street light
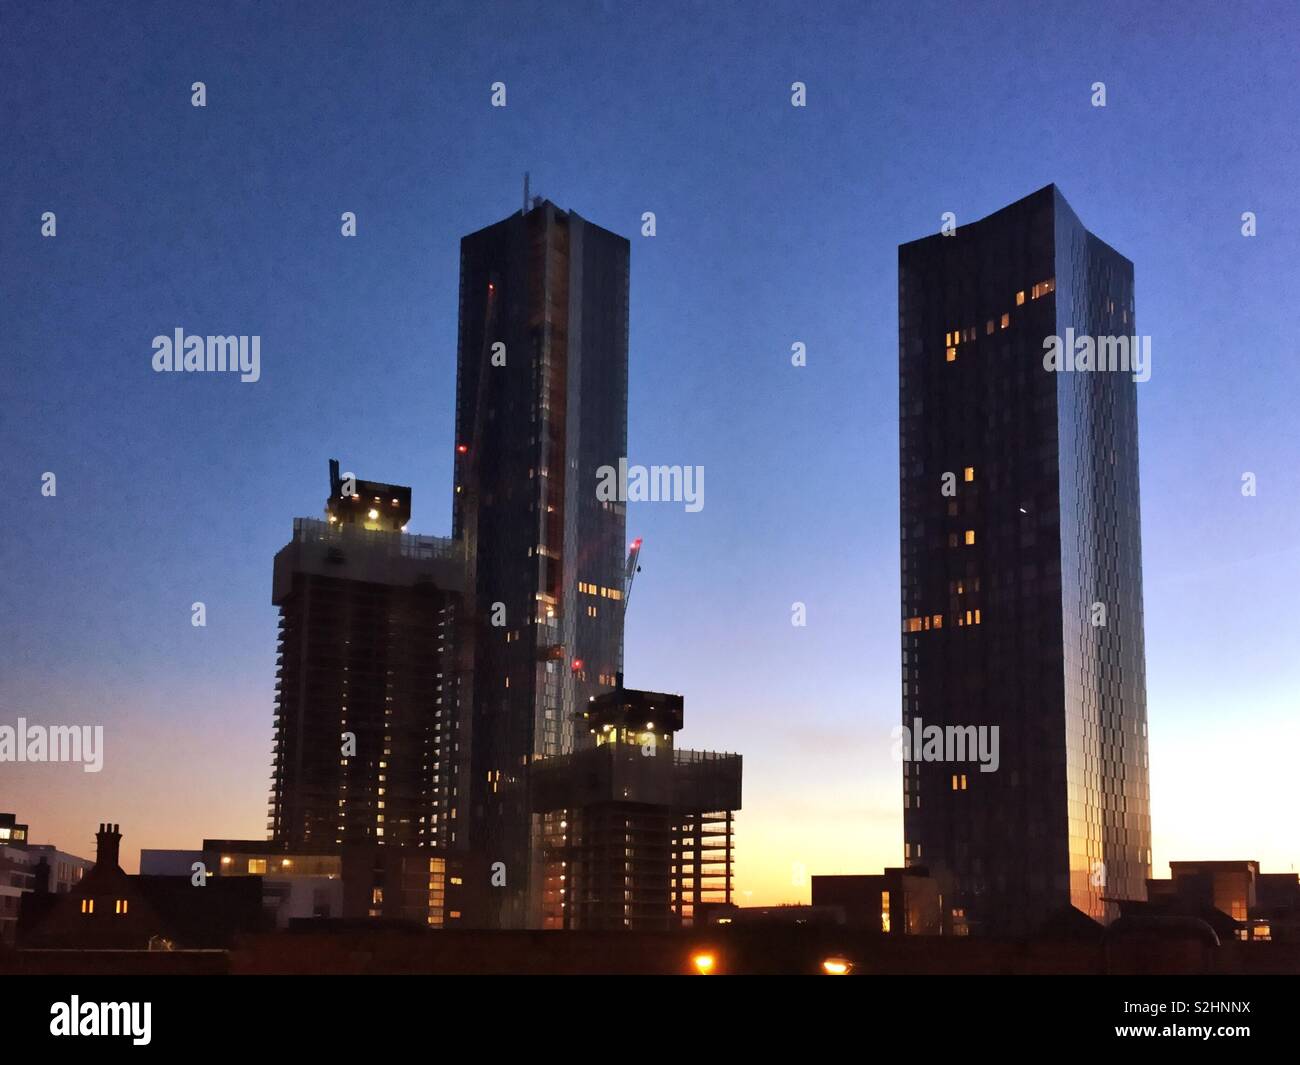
704, 962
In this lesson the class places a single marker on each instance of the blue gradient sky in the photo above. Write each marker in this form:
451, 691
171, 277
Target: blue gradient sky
774, 225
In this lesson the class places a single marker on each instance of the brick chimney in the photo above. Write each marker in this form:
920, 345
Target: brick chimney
108, 840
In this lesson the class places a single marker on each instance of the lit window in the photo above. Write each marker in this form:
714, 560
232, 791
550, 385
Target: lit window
977, 617
377, 896
988, 329
951, 355
1020, 297
938, 621
122, 905
1006, 320
87, 905
884, 911
256, 866
970, 536
970, 473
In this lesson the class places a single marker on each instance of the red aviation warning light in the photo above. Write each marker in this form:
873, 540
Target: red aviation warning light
577, 665
462, 449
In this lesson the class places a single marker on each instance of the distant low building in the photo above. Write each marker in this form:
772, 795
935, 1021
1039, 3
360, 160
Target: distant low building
24, 866
1260, 906
897, 901
11, 832
772, 915
109, 909
433, 888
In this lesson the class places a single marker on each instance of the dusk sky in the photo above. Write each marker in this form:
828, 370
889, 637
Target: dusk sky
775, 225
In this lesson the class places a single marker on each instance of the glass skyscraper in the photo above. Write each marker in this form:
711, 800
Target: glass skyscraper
541, 405
1021, 571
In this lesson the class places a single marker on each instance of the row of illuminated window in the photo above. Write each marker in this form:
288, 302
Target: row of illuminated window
953, 338
120, 906
600, 590
935, 621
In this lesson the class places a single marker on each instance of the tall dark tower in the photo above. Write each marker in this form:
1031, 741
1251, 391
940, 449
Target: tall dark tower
1021, 570
541, 405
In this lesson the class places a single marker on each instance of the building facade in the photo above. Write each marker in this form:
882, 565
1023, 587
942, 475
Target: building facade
899, 901
377, 880
541, 406
367, 747
1021, 570
637, 834
27, 867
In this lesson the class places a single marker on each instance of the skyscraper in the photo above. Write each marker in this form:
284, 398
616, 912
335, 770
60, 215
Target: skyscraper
1021, 570
541, 405
366, 723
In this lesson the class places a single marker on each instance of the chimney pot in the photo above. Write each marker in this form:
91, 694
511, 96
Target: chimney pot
108, 841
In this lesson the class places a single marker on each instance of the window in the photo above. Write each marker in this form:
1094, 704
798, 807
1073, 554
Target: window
1044, 287
951, 355
970, 473
87, 906
1006, 320
970, 536
122, 905
884, 911
988, 329
1020, 297
377, 896
256, 866
938, 621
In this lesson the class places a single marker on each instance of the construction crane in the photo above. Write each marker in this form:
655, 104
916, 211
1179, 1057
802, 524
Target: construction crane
634, 553
629, 574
